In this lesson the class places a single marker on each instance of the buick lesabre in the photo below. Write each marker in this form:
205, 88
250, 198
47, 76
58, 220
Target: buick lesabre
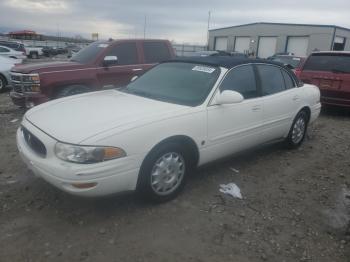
180, 115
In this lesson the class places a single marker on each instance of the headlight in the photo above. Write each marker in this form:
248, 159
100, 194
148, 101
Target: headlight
87, 154
31, 78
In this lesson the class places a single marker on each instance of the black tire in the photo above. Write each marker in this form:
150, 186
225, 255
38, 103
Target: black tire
34, 55
298, 130
3, 83
72, 90
149, 169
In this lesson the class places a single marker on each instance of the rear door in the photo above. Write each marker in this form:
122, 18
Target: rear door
154, 52
234, 127
127, 66
280, 100
331, 73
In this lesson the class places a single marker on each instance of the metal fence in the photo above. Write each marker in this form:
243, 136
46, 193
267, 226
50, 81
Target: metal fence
187, 50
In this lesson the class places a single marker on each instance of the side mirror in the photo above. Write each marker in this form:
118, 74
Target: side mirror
110, 60
229, 97
133, 78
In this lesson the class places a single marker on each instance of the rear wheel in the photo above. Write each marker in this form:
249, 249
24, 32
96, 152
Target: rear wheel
163, 173
72, 90
298, 130
34, 55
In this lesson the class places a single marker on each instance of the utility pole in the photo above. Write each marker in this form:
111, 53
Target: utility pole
144, 27
209, 16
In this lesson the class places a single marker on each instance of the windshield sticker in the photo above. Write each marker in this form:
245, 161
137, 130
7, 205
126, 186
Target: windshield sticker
204, 69
103, 45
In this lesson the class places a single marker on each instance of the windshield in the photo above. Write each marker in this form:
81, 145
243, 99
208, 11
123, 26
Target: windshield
175, 82
288, 60
328, 62
89, 53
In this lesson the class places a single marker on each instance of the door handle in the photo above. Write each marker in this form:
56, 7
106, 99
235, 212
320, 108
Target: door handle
256, 108
137, 69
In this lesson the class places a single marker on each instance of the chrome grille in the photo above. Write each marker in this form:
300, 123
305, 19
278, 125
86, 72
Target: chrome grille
16, 80
34, 143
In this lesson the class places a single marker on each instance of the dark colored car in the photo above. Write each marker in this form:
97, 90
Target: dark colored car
100, 65
49, 51
291, 61
13, 45
330, 71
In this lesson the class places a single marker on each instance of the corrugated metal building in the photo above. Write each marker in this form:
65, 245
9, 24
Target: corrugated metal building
265, 39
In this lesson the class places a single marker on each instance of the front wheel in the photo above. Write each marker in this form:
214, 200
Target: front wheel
298, 130
163, 173
3, 83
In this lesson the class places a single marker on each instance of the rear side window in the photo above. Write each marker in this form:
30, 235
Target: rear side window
271, 79
328, 62
126, 53
289, 83
155, 52
241, 80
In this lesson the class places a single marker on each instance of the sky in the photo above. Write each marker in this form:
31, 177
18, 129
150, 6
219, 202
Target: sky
182, 21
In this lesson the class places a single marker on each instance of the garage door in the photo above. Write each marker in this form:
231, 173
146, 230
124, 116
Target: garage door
221, 43
242, 44
267, 46
298, 45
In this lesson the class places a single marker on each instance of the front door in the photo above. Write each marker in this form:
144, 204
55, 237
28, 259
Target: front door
235, 127
125, 68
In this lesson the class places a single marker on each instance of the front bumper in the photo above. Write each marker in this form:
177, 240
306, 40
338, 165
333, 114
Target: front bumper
28, 100
110, 177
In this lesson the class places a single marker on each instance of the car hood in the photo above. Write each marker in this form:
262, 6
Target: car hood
46, 67
77, 118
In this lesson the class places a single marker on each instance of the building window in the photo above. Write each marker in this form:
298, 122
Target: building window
339, 43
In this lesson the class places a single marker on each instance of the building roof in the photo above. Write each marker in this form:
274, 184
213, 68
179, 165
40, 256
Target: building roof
222, 61
283, 24
23, 32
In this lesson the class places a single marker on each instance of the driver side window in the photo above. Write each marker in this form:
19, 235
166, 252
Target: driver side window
125, 52
241, 80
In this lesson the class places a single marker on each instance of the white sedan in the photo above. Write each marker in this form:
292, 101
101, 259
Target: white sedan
10, 53
5, 67
150, 135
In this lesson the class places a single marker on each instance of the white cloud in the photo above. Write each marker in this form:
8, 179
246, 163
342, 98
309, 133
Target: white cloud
46, 6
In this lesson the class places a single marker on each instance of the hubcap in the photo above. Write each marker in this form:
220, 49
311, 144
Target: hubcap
298, 130
167, 173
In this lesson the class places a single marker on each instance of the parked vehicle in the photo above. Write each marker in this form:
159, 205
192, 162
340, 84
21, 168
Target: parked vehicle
211, 53
330, 71
10, 53
100, 65
279, 54
34, 52
49, 51
179, 115
13, 45
291, 61
5, 66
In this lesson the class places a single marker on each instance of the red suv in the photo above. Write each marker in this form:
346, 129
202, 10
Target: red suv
100, 65
330, 71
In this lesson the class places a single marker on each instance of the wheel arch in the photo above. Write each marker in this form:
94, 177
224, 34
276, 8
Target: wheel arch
307, 110
185, 141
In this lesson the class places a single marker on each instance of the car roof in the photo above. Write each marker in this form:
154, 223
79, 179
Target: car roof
223, 61
331, 53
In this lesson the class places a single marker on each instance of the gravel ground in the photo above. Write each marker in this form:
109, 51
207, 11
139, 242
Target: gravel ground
295, 207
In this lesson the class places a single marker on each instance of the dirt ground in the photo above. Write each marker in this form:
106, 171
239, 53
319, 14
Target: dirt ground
295, 207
